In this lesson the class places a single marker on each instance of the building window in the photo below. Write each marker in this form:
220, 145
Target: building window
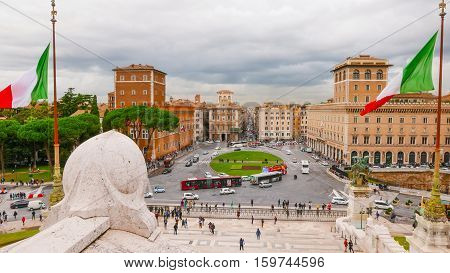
378, 140
356, 87
145, 78
144, 103
390, 120
355, 140
355, 99
144, 92
389, 140
379, 87
402, 120
424, 140
401, 140
133, 103
122, 77
343, 75
413, 120
447, 141
133, 77
145, 134
122, 104
366, 119
356, 74
367, 98
133, 92
379, 74
412, 140
355, 120
378, 119
122, 92
366, 139
367, 87
425, 120
368, 75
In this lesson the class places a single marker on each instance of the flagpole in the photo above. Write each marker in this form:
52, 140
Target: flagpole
434, 210
57, 192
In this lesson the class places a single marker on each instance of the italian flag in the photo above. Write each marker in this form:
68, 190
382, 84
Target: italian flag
31, 86
416, 77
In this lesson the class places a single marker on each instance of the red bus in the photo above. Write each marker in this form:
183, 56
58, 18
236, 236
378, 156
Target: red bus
211, 183
168, 162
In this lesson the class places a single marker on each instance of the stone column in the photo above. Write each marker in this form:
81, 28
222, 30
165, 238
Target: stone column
358, 202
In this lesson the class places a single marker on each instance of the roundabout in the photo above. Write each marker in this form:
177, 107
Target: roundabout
243, 163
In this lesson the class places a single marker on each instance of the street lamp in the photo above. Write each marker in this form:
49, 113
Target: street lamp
362, 213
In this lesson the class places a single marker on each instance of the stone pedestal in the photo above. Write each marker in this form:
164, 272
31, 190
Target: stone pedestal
358, 202
430, 236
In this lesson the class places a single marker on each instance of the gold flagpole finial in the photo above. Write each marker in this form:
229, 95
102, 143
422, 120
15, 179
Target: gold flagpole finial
442, 6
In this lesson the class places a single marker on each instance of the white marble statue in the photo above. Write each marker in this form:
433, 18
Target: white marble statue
106, 177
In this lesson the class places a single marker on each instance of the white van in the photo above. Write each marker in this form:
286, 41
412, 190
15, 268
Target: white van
382, 204
36, 204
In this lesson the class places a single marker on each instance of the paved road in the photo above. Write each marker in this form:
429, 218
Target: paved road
5, 201
315, 187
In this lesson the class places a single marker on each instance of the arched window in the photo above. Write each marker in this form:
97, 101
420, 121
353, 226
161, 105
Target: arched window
356, 74
379, 74
388, 158
412, 158
365, 154
377, 158
336, 77
354, 157
340, 76
423, 158
447, 158
343, 75
400, 158
368, 75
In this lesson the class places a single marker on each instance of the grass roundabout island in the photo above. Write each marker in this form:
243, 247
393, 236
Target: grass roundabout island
243, 163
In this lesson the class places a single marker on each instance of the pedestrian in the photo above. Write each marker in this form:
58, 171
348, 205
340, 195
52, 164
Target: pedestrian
279, 203
40, 217
165, 222
345, 245
275, 220
252, 219
33, 215
350, 247
15, 215
251, 202
377, 215
23, 220
258, 234
241, 244
262, 223
175, 229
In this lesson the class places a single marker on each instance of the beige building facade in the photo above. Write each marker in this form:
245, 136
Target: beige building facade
402, 132
275, 121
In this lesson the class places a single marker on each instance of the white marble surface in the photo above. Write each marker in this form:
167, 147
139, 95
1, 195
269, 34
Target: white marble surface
106, 177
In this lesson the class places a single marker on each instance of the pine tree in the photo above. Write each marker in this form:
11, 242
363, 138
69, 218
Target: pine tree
94, 106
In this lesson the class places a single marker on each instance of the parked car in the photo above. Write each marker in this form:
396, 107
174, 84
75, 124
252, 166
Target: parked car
215, 154
294, 160
205, 152
217, 141
217, 148
190, 196
339, 201
148, 195
265, 184
382, 204
209, 141
159, 189
188, 163
19, 204
288, 152
224, 191
167, 170
222, 174
324, 163
36, 204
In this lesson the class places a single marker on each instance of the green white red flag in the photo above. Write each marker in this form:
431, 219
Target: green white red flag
416, 77
31, 86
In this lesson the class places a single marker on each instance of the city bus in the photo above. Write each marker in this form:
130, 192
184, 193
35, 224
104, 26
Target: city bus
211, 183
168, 162
266, 177
305, 166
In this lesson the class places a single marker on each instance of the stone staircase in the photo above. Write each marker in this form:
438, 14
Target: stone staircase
285, 236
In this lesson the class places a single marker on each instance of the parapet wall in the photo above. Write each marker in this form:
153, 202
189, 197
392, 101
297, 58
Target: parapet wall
412, 179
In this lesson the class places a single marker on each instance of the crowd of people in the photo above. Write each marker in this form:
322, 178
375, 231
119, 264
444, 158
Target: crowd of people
17, 196
158, 163
31, 182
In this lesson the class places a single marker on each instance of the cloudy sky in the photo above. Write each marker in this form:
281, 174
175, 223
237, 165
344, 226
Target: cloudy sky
258, 48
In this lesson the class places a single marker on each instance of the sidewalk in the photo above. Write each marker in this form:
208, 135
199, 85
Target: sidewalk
419, 193
15, 226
